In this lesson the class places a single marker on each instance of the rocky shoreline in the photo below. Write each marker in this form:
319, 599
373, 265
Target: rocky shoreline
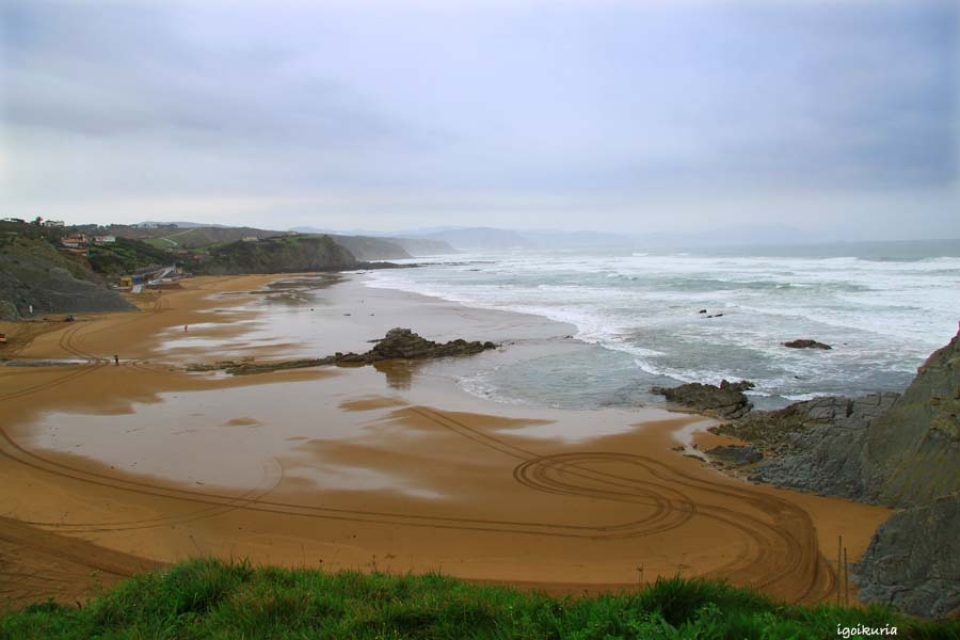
896, 450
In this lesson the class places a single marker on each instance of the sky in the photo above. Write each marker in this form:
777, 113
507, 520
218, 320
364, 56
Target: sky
839, 119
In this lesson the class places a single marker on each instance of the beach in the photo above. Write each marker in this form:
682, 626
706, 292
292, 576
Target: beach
117, 459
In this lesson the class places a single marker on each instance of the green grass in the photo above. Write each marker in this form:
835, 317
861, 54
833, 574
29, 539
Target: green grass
213, 599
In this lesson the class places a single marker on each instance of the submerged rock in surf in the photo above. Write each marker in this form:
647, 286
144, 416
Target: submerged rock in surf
806, 343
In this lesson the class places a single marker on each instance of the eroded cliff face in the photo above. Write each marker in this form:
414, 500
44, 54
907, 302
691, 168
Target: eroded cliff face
818, 445
911, 460
913, 561
911, 453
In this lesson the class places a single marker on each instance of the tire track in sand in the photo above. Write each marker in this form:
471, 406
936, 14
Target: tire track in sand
782, 554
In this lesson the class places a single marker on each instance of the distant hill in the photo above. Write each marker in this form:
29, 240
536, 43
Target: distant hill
479, 239
413, 246
546, 239
421, 247
188, 236
368, 248
173, 238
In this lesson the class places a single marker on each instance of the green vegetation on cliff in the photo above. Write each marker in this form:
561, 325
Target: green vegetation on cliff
283, 254
126, 256
171, 237
211, 599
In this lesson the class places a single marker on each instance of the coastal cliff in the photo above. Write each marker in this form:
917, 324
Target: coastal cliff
283, 254
911, 453
34, 274
901, 451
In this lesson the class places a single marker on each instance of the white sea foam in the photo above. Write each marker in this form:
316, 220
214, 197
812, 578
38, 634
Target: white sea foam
883, 317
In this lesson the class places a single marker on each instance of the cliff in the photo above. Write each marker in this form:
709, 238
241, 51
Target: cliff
284, 254
911, 460
902, 451
34, 273
911, 453
369, 248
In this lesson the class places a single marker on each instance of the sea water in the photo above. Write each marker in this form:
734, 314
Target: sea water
673, 317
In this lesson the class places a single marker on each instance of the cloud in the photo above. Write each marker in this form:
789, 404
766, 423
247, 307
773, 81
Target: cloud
536, 105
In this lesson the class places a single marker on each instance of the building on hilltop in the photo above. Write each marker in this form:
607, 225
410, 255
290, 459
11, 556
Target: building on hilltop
75, 241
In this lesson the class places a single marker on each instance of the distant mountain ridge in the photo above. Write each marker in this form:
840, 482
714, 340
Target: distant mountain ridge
445, 240
413, 247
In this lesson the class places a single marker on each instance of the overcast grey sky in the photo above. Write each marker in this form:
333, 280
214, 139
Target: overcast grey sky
834, 117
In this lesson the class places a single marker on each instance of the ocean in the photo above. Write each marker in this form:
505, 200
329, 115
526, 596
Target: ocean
883, 307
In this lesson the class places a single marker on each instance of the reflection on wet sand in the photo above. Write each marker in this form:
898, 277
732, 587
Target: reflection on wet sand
352, 465
399, 373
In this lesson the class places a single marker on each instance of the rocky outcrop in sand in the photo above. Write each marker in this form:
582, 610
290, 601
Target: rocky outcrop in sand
725, 401
404, 343
814, 445
735, 455
398, 343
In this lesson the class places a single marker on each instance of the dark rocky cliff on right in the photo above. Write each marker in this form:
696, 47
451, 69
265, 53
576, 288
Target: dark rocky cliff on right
901, 451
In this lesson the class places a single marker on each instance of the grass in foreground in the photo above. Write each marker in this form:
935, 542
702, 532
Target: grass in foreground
213, 599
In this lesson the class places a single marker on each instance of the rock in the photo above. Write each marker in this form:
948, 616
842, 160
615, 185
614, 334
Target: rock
8, 311
913, 561
806, 343
901, 451
817, 445
912, 453
735, 455
725, 401
794, 429
397, 344
404, 343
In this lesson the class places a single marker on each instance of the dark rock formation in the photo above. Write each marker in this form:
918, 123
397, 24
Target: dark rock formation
734, 455
899, 451
813, 445
725, 401
912, 453
806, 343
397, 344
404, 343
913, 561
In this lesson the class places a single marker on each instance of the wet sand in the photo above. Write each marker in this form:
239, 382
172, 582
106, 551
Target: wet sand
111, 469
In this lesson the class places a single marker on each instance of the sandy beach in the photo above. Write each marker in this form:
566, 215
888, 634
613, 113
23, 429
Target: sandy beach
109, 469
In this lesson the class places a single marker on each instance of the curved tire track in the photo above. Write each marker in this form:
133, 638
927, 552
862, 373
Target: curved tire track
782, 553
